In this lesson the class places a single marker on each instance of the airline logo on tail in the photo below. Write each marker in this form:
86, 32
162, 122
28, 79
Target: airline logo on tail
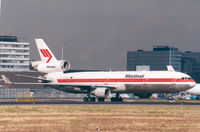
46, 54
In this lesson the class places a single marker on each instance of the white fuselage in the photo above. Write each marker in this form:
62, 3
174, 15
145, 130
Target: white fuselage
124, 81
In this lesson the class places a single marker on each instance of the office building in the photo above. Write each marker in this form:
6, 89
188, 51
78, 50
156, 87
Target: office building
191, 64
158, 59
14, 55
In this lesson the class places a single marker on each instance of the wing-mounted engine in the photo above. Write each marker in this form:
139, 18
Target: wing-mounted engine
57, 66
101, 92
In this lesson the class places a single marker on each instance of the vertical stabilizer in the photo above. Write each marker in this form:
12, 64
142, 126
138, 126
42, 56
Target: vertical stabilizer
44, 51
170, 68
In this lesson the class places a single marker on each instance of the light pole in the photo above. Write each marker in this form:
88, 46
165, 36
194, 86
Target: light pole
0, 8
62, 49
170, 56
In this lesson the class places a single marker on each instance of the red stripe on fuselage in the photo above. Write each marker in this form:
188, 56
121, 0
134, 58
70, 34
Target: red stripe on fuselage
112, 80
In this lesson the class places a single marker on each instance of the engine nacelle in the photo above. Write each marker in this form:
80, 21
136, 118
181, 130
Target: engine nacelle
57, 66
101, 92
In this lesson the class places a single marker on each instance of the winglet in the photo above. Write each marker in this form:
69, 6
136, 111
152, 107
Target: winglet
6, 80
170, 68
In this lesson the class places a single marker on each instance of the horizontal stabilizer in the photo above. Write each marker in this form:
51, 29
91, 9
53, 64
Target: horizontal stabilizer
6, 80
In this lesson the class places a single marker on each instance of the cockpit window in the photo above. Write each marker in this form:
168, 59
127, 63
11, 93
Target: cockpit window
185, 78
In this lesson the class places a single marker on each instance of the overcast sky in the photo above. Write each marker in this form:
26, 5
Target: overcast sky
98, 33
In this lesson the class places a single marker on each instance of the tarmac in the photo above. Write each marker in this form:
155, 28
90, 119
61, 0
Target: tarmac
69, 101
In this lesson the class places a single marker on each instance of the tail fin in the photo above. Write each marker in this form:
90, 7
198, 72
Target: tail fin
6, 80
170, 68
45, 53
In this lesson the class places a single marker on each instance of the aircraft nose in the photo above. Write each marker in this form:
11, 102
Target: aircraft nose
192, 84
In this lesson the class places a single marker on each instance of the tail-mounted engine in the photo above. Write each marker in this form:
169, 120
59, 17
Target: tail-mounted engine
57, 66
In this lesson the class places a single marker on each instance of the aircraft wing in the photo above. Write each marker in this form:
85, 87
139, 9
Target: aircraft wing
32, 77
55, 84
9, 83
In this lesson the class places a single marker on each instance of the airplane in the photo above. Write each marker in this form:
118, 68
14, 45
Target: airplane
100, 84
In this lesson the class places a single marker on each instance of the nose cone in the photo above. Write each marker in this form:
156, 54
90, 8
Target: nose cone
192, 84
194, 90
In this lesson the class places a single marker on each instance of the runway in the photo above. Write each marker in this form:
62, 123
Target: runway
107, 102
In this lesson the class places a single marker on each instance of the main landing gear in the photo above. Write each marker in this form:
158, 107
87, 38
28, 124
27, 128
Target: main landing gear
101, 99
117, 98
89, 99
93, 99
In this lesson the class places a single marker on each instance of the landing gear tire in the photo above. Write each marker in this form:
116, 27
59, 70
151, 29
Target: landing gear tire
113, 99
120, 99
85, 99
101, 99
92, 99
117, 98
